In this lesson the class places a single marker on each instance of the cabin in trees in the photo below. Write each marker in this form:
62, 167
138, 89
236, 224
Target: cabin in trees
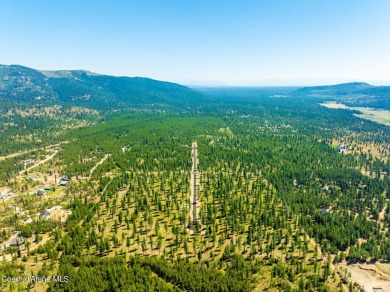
341, 148
324, 211
45, 214
64, 181
126, 147
17, 241
41, 193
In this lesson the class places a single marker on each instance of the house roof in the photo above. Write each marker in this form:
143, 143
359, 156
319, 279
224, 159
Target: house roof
44, 213
17, 240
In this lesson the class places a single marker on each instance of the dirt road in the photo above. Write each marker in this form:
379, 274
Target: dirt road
96, 165
39, 163
194, 182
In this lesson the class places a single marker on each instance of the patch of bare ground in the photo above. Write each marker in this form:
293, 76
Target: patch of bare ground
54, 111
226, 130
57, 213
334, 105
369, 276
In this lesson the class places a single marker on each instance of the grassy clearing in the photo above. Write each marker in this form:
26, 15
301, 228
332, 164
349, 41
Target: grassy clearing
380, 116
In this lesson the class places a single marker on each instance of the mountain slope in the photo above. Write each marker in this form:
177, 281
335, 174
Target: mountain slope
352, 94
24, 84
21, 83
343, 88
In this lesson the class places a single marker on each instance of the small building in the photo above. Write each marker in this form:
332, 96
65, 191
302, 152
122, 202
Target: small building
65, 178
63, 183
41, 193
2, 197
17, 241
48, 188
324, 211
44, 214
32, 178
124, 148
57, 148
341, 148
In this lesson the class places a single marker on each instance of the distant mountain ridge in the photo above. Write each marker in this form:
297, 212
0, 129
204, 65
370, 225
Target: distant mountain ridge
23, 84
343, 87
352, 94
80, 87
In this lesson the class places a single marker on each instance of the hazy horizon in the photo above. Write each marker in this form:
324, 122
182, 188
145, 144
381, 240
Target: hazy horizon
298, 82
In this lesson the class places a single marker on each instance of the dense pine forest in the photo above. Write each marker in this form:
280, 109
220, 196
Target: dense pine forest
282, 206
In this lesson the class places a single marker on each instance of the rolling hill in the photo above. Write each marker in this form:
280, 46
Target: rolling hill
22, 84
352, 94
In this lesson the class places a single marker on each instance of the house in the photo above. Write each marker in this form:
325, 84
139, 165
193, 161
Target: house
32, 178
324, 211
65, 178
2, 197
126, 147
44, 214
41, 193
341, 148
63, 183
17, 241
57, 148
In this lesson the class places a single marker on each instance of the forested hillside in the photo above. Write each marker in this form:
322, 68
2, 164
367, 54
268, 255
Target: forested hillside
39, 107
22, 84
282, 208
351, 94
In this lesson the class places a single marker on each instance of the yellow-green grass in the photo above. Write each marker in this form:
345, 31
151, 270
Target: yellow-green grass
380, 116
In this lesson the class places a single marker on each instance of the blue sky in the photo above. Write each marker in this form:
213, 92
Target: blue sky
210, 42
